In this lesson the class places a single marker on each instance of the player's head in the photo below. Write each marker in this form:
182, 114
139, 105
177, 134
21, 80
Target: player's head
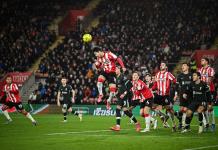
63, 80
148, 77
204, 61
118, 71
196, 76
98, 52
163, 66
9, 79
185, 67
135, 76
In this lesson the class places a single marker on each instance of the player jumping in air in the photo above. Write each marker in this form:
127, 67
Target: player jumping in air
13, 99
207, 76
201, 94
162, 98
124, 94
68, 95
183, 92
106, 63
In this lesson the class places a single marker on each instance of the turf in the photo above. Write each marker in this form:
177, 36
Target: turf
93, 134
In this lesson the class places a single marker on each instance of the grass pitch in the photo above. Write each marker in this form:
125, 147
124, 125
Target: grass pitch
93, 134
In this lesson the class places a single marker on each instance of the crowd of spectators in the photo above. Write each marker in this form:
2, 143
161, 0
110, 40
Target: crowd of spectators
24, 34
147, 32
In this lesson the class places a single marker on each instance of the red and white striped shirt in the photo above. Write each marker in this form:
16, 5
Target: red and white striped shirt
162, 84
141, 91
108, 62
12, 93
206, 73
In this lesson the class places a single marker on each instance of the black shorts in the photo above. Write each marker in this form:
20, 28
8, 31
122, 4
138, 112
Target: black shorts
213, 97
162, 100
148, 102
193, 106
67, 105
123, 102
134, 103
18, 106
110, 77
184, 101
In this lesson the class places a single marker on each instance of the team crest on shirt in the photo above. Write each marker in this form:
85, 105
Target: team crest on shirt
166, 100
106, 61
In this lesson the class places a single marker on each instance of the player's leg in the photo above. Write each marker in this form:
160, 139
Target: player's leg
170, 111
200, 118
159, 106
212, 115
211, 110
64, 111
74, 112
100, 82
147, 117
21, 109
132, 117
181, 114
189, 115
5, 113
118, 118
206, 119
112, 88
153, 117
128, 112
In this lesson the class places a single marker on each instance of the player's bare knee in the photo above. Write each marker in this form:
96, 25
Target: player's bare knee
70, 110
64, 110
146, 110
125, 109
101, 78
188, 113
112, 88
119, 107
200, 109
24, 112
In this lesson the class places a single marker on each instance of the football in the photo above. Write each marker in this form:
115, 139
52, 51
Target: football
87, 37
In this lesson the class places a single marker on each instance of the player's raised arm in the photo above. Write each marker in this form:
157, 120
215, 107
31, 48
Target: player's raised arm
119, 60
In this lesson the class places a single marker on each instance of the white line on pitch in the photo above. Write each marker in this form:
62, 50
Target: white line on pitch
91, 131
204, 147
100, 131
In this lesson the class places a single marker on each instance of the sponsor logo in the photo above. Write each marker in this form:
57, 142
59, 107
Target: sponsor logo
104, 112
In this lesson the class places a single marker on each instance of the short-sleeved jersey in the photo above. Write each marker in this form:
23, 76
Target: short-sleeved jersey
163, 82
108, 62
200, 92
66, 92
183, 83
206, 73
141, 91
12, 93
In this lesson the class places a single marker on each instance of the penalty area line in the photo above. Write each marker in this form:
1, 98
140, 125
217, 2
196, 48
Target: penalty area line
102, 131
